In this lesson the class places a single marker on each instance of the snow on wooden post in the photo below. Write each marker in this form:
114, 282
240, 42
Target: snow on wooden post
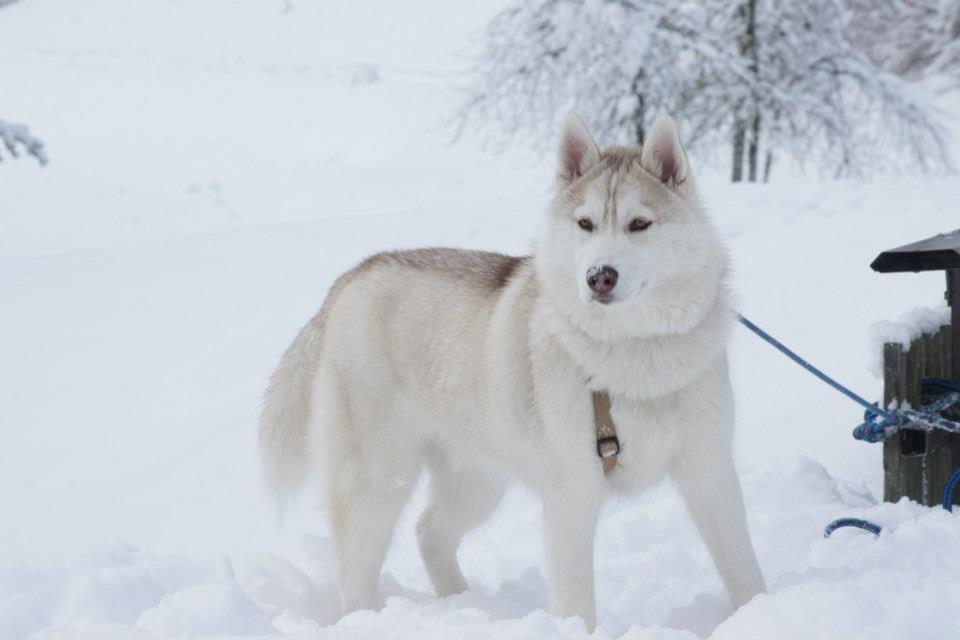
917, 464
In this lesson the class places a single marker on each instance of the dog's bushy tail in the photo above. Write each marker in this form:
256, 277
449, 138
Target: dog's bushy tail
285, 420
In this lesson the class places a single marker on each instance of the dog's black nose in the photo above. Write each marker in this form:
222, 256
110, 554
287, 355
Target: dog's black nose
603, 279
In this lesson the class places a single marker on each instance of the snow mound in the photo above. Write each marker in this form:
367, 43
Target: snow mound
655, 580
217, 608
860, 586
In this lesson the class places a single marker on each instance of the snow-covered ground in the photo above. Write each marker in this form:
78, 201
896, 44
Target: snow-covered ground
214, 166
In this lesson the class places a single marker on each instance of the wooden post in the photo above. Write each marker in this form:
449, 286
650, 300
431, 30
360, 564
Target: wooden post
916, 463
953, 299
904, 455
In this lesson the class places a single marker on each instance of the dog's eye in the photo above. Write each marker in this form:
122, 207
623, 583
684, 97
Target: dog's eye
638, 224
585, 224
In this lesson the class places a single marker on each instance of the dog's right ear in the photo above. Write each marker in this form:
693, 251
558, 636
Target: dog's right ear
577, 151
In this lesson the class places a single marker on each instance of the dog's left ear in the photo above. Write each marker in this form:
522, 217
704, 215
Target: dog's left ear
577, 152
663, 155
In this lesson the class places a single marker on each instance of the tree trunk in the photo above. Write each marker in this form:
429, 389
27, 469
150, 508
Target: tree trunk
773, 126
639, 130
748, 49
754, 147
639, 115
739, 137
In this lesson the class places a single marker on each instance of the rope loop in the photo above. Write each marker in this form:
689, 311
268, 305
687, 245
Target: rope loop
866, 525
949, 489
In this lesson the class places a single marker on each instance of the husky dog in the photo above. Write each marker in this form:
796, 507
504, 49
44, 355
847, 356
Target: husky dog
472, 363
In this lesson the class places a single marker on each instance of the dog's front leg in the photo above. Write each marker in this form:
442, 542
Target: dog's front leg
570, 521
707, 478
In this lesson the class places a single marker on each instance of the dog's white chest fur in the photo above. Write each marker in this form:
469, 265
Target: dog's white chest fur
663, 390
653, 432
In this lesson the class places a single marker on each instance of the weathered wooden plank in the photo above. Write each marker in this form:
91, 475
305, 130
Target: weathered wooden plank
933, 356
951, 351
891, 470
914, 373
911, 479
953, 299
892, 377
892, 354
940, 463
948, 347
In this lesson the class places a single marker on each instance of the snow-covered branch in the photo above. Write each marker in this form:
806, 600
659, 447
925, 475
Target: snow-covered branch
614, 61
16, 137
910, 38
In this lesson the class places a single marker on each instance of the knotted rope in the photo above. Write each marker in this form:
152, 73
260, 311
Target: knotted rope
879, 424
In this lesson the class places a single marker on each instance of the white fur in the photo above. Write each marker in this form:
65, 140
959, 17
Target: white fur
424, 360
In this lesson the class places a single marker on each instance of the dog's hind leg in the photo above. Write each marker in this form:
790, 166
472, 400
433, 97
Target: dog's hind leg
370, 475
460, 499
364, 511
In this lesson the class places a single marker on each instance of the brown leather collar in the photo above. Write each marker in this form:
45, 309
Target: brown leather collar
608, 445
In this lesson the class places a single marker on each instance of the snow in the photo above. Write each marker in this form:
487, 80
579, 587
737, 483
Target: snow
910, 325
206, 186
906, 329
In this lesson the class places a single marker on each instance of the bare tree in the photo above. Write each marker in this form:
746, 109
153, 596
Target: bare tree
749, 49
618, 62
825, 101
765, 77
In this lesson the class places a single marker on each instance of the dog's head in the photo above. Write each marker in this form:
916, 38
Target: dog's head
625, 233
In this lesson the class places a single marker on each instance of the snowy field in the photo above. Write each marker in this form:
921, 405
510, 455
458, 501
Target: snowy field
214, 166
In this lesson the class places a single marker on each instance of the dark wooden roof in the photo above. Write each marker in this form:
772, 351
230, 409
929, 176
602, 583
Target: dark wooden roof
940, 252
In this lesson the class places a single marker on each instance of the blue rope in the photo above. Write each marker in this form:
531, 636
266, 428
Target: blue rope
866, 525
879, 424
870, 406
947, 385
949, 488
